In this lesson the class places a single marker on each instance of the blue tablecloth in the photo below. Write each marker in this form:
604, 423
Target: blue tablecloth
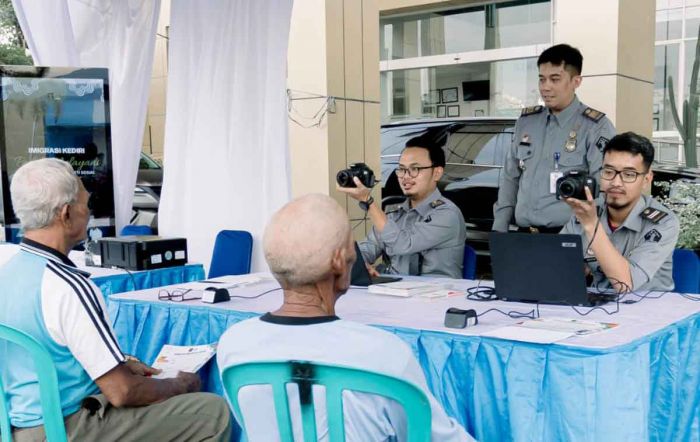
498, 389
139, 280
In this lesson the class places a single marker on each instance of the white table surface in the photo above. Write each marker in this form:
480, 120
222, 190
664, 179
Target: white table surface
635, 320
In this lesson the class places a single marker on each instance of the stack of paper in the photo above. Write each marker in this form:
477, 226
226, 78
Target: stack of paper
403, 288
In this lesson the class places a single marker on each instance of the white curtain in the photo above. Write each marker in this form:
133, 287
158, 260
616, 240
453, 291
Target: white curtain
119, 35
226, 156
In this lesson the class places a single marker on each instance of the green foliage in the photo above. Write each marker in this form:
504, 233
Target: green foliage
688, 128
12, 43
684, 199
14, 55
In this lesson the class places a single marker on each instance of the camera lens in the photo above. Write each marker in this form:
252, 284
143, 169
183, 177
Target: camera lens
567, 189
344, 179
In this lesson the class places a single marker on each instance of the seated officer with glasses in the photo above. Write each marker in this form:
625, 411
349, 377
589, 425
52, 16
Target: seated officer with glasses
633, 236
423, 236
104, 395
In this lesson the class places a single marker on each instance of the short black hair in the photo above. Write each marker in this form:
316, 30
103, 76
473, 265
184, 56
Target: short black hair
633, 143
428, 142
564, 54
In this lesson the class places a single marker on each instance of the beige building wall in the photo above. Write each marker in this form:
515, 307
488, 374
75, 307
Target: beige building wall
154, 132
333, 77
616, 38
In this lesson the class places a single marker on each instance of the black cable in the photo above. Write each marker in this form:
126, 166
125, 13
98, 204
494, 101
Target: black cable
256, 296
532, 314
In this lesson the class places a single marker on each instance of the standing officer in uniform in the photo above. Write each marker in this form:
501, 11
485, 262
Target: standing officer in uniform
549, 140
426, 234
630, 244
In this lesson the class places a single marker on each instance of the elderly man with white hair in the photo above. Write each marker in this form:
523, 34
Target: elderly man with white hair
309, 248
103, 395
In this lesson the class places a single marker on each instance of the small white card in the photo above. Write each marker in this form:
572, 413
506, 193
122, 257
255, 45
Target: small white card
174, 358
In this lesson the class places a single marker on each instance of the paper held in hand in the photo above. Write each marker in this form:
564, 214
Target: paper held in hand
174, 358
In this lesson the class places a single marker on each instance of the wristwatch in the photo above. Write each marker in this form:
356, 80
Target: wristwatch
364, 205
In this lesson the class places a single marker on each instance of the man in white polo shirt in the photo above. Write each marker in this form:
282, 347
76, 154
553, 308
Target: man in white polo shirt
103, 396
309, 248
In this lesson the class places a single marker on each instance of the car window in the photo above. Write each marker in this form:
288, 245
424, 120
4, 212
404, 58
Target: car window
476, 145
147, 162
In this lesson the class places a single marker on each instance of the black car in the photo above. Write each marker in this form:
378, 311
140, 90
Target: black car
475, 150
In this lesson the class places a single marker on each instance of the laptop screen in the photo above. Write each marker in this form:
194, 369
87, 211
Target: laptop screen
541, 267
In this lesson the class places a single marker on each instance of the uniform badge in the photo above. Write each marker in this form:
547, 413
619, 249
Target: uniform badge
653, 215
653, 235
437, 203
570, 145
601, 143
525, 140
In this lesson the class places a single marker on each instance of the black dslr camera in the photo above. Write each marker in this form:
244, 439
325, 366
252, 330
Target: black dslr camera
573, 184
359, 170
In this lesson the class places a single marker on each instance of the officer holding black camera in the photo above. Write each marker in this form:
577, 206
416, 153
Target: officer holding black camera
629, 244
425, 235
549, 140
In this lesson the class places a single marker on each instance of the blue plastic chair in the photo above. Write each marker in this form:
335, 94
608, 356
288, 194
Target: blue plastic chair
48, 387
686, 271
469, 264
336, 379
136, 229
232, 253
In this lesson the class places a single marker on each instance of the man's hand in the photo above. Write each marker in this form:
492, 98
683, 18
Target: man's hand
360, 193
141, 369
372, 271
190, 381
585, 211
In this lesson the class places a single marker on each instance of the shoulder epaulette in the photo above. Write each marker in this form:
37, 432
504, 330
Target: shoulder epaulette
437, 203
653, 215
593, 114
531, 110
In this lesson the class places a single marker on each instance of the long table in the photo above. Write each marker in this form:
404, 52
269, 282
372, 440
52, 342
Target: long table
638, 381
112, 281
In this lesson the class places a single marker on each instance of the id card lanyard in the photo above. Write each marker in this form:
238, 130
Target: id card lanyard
554, 176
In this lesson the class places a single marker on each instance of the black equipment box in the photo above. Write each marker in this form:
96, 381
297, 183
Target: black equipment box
143, 252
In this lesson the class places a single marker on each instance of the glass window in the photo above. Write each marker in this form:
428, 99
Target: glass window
692, 22
493, 26
669, 24
500, 88
665, 66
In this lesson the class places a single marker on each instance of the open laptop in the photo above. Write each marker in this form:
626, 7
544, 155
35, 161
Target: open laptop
360, 276
546, 268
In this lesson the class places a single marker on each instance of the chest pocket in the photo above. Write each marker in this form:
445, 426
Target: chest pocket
523, 152
574, 159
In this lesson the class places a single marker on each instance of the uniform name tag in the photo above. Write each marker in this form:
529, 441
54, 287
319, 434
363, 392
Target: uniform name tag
553, 177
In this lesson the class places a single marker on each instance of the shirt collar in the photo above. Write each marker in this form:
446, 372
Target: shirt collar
49, 253
564, 116
424, 207
634, 219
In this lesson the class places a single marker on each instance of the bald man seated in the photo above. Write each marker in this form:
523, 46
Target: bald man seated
309, 248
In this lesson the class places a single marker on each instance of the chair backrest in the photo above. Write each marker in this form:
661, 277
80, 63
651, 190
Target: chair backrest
136, 229
232, 253
48, 387
469, 264
336, 379
686, 271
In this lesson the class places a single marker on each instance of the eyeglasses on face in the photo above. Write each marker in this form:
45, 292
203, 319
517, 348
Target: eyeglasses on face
412, 171
177, 295
627, 175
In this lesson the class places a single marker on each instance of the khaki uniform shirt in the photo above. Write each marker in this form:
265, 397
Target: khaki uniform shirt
578, 134
646, 240
426, 240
